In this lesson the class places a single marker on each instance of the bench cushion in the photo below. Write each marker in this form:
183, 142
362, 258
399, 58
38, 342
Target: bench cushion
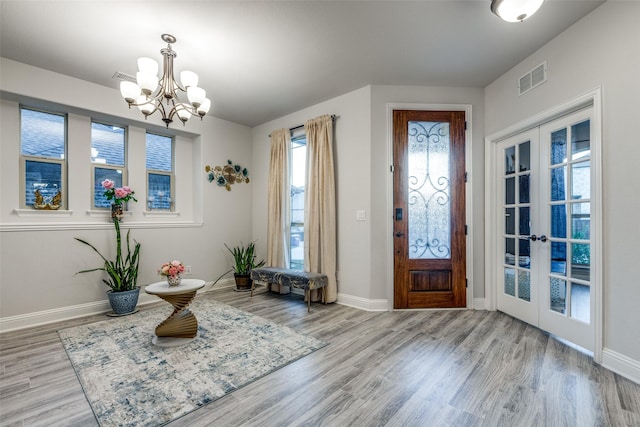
286, 277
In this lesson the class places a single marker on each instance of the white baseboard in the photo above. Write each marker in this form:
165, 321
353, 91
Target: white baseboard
363, 303
44, 317
621, 364
478, 304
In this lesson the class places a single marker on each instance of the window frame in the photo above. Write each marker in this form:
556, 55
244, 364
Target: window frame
24, 158
171, 175
93, 177
299, 139
122, 168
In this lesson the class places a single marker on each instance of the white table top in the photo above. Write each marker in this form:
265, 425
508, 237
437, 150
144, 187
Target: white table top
163, 288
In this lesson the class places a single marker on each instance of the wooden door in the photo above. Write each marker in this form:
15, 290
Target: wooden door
429, 209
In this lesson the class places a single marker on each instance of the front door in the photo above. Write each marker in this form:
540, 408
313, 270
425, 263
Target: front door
429, 209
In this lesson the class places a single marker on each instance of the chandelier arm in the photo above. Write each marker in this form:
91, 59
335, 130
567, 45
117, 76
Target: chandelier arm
160, 108
149, 101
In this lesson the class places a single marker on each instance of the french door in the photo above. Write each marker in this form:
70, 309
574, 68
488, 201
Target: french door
545, 240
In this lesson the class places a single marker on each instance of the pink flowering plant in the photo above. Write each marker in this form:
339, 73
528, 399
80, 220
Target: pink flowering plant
117, 195
173, 268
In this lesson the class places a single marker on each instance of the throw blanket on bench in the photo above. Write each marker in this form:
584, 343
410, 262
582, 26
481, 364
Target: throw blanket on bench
293, 278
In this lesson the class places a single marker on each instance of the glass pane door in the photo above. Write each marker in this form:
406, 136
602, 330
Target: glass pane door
517, 295
567, 306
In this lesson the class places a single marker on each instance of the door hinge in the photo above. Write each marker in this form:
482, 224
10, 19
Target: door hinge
466, 283
465, 125
391, 168
466, 176
465, 229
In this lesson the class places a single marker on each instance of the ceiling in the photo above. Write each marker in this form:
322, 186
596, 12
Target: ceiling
261, 60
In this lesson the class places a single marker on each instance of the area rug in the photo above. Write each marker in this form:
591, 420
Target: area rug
128, 381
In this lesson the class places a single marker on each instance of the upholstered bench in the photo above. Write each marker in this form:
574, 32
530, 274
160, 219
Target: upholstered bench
293, 278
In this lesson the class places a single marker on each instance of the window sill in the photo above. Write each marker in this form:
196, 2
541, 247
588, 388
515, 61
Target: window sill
160, 213
105, 213
42, 213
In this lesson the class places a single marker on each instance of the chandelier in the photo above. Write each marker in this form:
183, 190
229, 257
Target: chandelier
151, 94
515, 10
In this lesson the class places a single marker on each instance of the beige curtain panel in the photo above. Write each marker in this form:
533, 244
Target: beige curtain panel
320, 205
278, 204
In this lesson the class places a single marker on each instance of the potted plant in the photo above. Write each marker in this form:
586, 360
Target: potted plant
123, 271
244, 260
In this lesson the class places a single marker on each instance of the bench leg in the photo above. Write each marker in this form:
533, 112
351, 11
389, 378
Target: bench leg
307, 294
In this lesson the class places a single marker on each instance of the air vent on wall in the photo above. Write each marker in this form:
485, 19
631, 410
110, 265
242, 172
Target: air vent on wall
119, 75
533, 78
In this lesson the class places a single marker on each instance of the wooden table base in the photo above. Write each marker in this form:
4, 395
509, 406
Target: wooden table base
181, 323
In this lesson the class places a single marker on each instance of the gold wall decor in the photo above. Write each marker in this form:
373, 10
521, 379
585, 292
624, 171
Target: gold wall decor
228, 174
47, 204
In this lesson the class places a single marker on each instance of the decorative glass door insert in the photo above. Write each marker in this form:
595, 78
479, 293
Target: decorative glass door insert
428, 178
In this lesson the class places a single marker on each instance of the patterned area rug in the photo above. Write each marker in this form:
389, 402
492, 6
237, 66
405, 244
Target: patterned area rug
130, 382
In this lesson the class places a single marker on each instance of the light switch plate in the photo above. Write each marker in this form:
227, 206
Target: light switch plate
361, 215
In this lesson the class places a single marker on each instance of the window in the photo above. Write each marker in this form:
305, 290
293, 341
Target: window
160, 181
43, 139
107, 159
296, 231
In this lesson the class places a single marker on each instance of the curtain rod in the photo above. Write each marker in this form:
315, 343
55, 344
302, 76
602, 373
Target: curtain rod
333, 118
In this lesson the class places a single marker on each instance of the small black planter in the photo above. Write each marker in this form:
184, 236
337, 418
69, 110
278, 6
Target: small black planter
243, 282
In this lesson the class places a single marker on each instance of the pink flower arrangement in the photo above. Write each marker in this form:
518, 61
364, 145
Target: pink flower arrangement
118, 195
172, 268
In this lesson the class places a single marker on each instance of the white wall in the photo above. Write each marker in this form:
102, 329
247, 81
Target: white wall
353, 192
38, 254
601, 50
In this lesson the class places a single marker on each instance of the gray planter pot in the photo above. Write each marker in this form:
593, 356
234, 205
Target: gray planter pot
123, 303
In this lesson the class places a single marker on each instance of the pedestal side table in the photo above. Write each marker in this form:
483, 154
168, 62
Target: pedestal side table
181, 326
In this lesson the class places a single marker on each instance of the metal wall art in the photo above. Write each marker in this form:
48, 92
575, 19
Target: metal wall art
228, 174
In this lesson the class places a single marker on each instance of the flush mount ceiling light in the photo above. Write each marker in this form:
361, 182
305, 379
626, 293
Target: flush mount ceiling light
515, 10
151, 94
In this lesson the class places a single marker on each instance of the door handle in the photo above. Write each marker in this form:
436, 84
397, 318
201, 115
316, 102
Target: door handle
399, 234
533, 238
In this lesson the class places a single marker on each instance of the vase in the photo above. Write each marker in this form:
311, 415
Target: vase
125, 302
174, 280
117, 211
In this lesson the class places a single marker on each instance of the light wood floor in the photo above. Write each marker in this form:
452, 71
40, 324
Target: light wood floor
422, 368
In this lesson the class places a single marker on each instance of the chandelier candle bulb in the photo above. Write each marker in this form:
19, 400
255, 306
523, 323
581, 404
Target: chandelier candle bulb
148, 65
203, 109
196, 95
188, 79
183, 112
130, 91
147, 81
147, 106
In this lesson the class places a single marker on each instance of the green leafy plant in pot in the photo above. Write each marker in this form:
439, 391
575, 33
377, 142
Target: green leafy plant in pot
244, 260
123, 271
